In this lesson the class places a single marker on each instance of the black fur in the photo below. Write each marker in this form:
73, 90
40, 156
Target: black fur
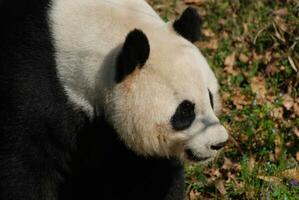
49, 151
38, 127
183, 116
189, 25
106, 169
211, 99
134, 53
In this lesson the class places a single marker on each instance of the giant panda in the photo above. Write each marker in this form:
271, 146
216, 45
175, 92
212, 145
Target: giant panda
101, 99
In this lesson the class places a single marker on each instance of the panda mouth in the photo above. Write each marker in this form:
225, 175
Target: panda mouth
192, 157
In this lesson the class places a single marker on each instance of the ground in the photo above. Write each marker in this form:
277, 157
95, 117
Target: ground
253, 47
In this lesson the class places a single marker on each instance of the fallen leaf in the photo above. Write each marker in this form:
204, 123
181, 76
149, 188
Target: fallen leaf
296, 131
258, 86
230, 60
277, 113
290, 173
292, 63
272, 179
220, 187
227, 163
193, 195
212, 44
271, 69
243, 58
297, 156
281, 12
208, 32
288, 102
229, 63
240, 100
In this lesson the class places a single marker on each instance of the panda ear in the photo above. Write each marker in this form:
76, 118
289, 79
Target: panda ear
189, 25
133, 54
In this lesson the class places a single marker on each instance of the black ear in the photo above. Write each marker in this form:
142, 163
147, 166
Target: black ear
134, 53
189, 25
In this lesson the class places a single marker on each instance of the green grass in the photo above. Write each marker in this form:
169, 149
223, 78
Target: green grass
260, 98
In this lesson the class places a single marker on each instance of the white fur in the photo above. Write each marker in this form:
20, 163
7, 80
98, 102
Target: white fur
88, 36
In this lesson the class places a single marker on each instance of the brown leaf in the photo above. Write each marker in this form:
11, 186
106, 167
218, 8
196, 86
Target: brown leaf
220, 187
208, 32
230, 60
277, 113
227, 163
258, 86
281, 12
212, 44
243, 58
229, 63
288, 102
297, 156
193, 195
272, 179
291, 173
296, 131
271, 69
240, 100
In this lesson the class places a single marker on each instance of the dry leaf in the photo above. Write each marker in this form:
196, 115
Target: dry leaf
288, 102
243, 58
272, 179
240, 100
193, 195
290, 173
227, 163
277, 113
281, 12
230, 60
229, 63
297, 156
220, 187
292, 63
271, 69
208, 32
212, 44
258, 86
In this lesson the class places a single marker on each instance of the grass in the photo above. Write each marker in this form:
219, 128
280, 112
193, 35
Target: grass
253, 48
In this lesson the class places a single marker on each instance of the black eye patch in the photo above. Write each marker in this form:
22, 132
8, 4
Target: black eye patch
211, 98
184, 116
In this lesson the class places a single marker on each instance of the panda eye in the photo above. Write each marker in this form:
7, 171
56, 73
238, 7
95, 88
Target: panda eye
211, 98
184, 116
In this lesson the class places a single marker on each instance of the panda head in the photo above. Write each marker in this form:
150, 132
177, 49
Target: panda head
165, 97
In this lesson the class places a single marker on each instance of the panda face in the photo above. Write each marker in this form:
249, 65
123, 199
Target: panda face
166, 96
153, 85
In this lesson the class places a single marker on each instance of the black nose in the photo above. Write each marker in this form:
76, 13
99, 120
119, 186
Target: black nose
218, 146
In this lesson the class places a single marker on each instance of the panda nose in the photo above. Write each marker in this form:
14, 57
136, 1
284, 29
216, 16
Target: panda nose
218, 146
